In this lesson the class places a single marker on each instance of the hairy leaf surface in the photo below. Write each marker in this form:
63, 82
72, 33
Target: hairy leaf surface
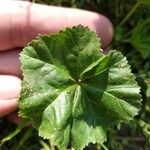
72, 92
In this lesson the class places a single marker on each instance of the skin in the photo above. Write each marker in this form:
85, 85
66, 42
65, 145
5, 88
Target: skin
23, 21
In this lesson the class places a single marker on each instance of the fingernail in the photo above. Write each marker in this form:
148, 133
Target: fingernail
7, 106
9, 87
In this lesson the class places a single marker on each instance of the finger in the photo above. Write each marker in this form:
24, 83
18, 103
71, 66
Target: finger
9, 62
7, 106
9, 93
9, 87
22, 21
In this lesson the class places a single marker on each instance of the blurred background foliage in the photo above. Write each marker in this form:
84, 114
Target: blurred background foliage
131, 21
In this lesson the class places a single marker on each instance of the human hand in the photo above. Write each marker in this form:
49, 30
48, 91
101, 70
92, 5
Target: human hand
23, 21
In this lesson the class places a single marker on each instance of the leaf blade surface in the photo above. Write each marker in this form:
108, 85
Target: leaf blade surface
72, 92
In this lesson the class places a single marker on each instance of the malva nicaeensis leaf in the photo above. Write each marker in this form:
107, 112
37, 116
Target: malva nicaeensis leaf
72, 92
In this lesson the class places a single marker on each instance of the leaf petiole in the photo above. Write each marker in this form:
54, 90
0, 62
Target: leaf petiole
129, 14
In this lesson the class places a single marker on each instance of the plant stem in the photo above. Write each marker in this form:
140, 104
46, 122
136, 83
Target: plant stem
52, 146
15, 132
129, 14
126, 41
104, 147
24, 139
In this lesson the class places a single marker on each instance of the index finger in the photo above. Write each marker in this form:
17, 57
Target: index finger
22, 21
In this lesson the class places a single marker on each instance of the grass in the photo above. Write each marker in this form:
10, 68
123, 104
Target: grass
125, 16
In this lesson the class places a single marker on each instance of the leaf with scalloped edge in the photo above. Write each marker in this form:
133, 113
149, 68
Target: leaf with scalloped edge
72, 92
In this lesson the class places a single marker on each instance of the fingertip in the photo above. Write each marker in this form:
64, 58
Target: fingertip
97, 22
104, 29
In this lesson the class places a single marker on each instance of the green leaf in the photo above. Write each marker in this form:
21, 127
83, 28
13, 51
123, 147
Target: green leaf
140, 38
146, 2
72, 92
